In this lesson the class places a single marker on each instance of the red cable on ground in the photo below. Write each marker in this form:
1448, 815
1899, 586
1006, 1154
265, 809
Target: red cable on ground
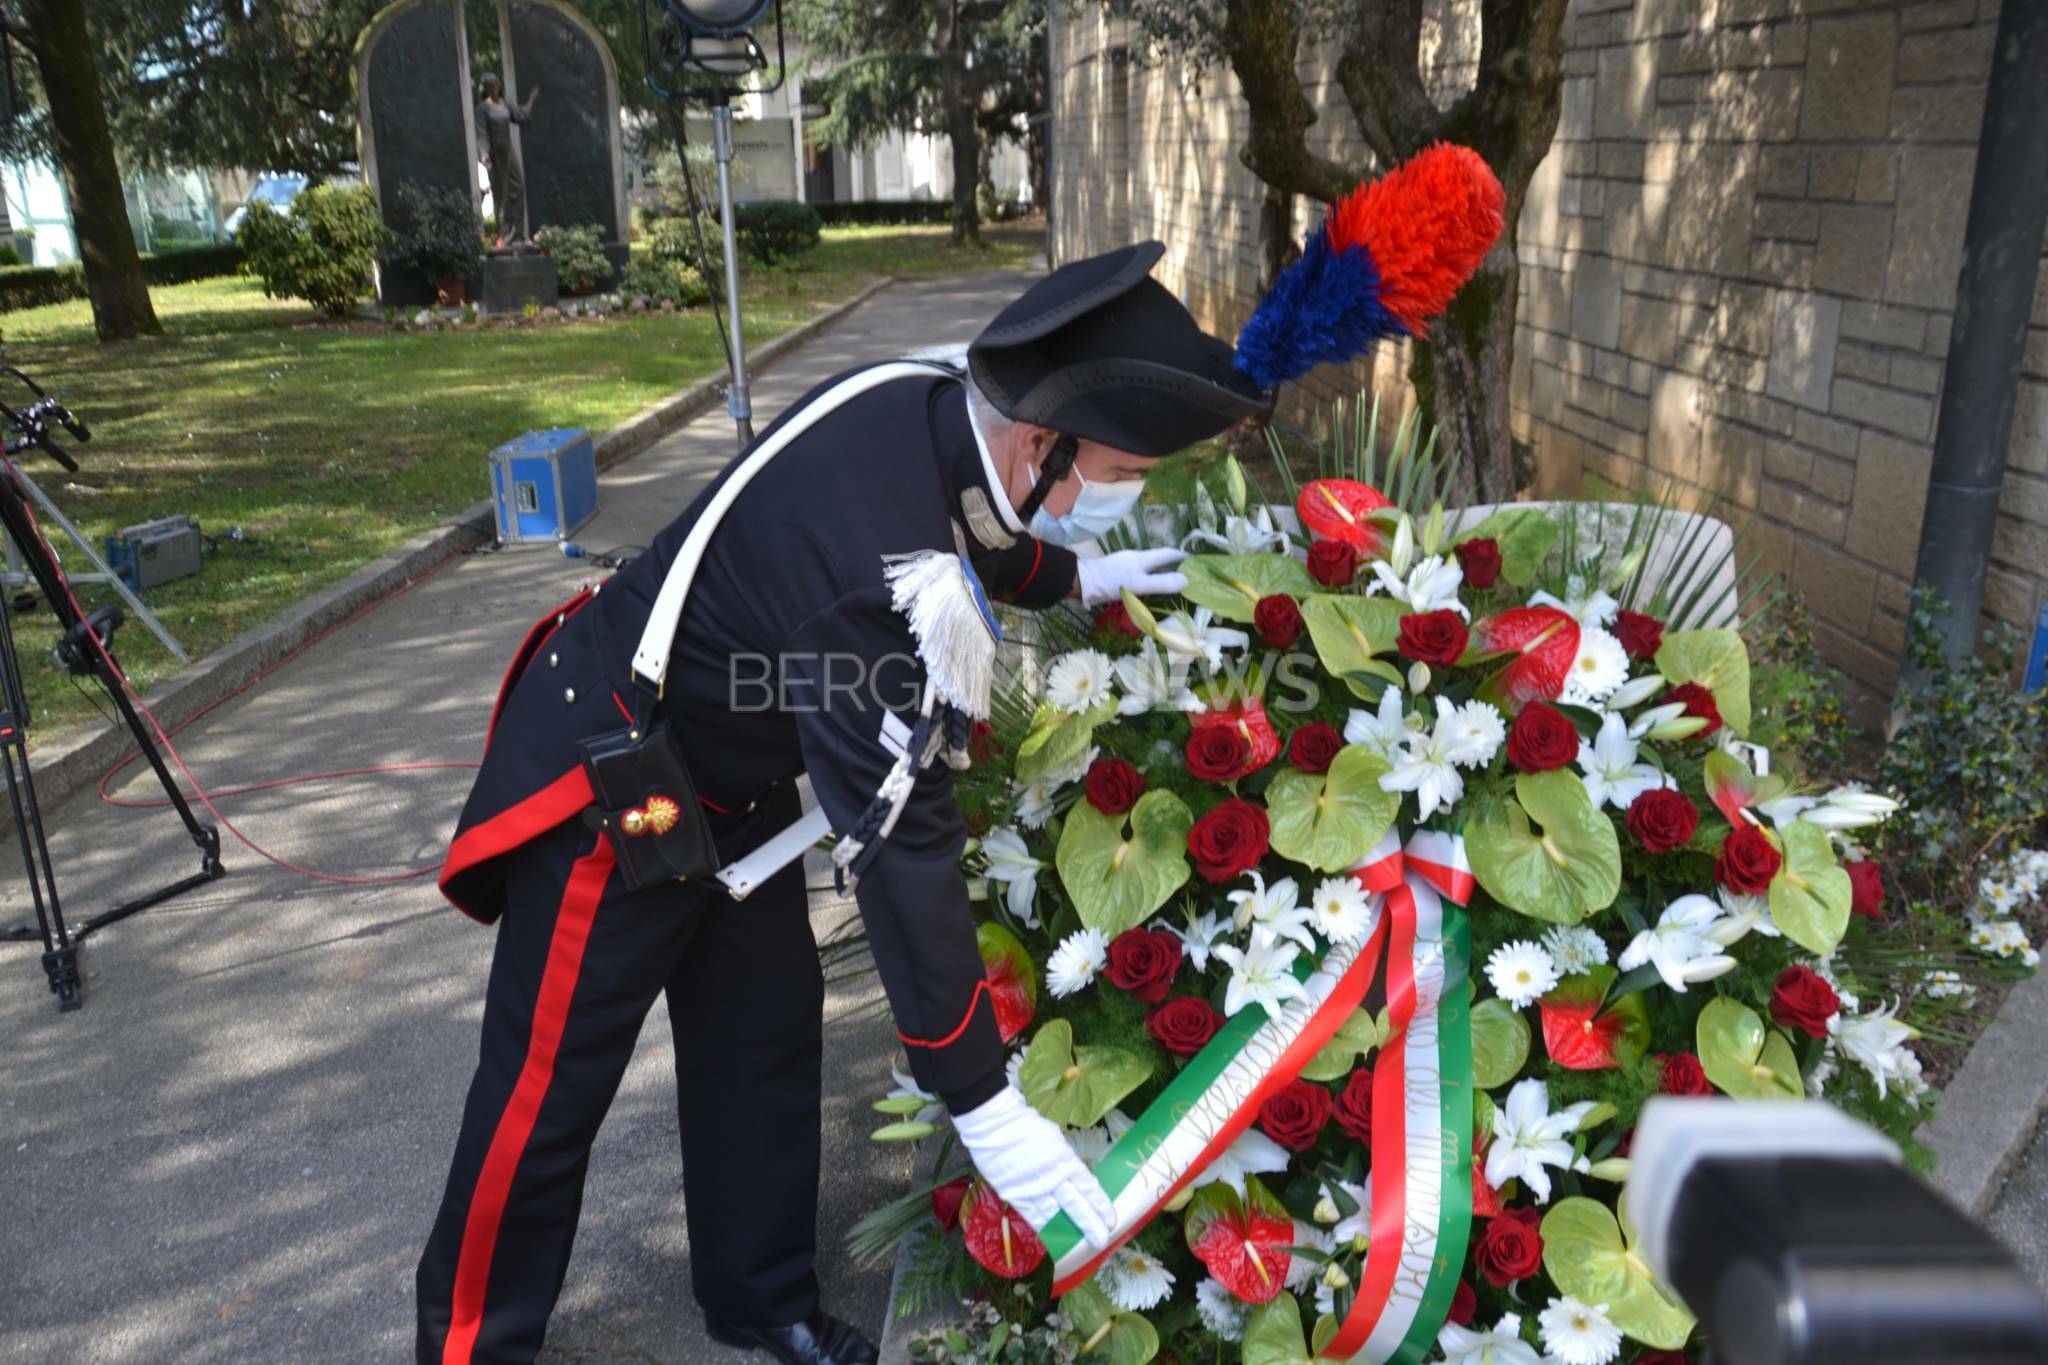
206, 799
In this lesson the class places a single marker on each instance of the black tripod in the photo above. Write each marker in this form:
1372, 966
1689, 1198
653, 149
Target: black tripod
85, 649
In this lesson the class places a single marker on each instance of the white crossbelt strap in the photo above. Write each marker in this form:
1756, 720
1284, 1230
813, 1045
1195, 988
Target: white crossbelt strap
650, 660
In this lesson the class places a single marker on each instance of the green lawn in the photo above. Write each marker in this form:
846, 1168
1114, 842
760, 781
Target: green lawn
329, 445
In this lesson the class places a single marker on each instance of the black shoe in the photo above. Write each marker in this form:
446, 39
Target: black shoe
820, 1339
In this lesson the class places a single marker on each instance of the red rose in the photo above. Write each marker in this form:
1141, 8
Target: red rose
1143, 961
1543, 738
1354, 1107
981, 742
1229, 840
1480, 559
1511, 1247
1278, 620
1117, 619
1464, 1304
1314, 747
1185, 1024
1748, 861
1802, 999
1434, 637
1295, 1115
1866, 889
946, 1202
1698, 702
1683, 1074
1639, 634
1662, 819
1114, 786
1332, 563
1217, 753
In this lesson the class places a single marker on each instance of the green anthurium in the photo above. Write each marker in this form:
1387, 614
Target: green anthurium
1524, 537
1058, 737
1119, 869
1565, 872
1810, 896
1331, 820
1355, 1037
1350, 633
1715, 659
1325, 1332
1106, 1334
1272, 1334
1590, 1258
1743, 1056
1500, 1043
1076, 1086
1231, 585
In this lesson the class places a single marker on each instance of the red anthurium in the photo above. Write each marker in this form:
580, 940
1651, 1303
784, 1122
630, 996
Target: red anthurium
1485, 1198
1338, 509
998, 1236
946, 1201
1244, 1241
1248, 717
1580, 1035
1547, 641
1012, 985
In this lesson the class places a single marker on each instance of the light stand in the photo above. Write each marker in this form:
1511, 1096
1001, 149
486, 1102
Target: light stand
704, 50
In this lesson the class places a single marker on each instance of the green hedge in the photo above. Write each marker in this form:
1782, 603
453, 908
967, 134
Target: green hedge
885, 211
32, 286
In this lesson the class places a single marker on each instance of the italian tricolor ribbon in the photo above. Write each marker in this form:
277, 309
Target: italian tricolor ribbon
1422, 1102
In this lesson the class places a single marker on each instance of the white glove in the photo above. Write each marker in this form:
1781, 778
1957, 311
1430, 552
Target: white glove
1025, 1157
1147, 573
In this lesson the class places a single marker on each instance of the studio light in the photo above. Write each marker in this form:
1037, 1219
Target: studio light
719, 18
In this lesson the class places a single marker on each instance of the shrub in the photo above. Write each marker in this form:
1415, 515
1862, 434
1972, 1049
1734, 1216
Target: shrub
324, 251
776, 229
884, 211
676, 239
1796, 695
31, 286
580, 262
444, 239
8, 255
671, 281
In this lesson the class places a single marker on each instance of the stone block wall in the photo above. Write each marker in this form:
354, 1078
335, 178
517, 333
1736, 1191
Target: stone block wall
1738, 266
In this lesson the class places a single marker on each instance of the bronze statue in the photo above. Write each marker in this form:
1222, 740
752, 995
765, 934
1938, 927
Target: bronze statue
495, 115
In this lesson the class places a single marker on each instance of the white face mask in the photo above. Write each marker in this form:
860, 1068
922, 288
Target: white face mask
1095, 512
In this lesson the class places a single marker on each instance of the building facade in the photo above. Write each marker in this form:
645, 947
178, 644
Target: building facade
1738, 264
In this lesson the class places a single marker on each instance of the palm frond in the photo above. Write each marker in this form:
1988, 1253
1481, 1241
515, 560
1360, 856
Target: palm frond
875, 1237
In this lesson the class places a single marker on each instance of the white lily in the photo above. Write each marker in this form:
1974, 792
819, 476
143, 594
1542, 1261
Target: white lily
1677, 939
1154, 680
1011, 863
1635, 692
1501, 1346
1261, 974
1276, 909
1527, 1137
1242, 536
1359, 1223
1252, 1154
1383, 731
1431, 585
1609, 767
1035, 799
1654, 717
1196, 637
1198, 938
1753, 912
1877, 1043
906, 1088
1426, 766
1846, 808
1587, 606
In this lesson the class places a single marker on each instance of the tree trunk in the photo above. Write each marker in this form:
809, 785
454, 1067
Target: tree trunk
1462, 372
965, 139
85, 155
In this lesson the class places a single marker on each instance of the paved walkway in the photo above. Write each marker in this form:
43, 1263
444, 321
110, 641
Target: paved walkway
2020, 1216
234, 1152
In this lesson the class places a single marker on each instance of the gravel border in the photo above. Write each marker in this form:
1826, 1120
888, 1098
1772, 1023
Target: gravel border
74, 762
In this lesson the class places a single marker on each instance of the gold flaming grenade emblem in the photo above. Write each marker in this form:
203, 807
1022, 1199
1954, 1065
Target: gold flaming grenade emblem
660, 815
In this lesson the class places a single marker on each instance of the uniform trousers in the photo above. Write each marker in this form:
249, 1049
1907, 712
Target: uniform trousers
579, 961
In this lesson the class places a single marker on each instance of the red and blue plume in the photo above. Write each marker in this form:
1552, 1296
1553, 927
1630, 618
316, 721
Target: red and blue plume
1388, 257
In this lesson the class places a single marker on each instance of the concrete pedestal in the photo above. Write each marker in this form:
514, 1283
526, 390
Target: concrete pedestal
511, 280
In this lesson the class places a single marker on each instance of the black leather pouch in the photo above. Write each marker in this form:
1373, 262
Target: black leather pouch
647, 806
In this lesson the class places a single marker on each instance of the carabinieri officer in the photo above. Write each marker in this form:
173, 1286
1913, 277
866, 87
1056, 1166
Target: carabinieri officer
634, 742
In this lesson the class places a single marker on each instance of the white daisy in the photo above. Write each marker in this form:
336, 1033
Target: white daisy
1301, 1269
1354, 1230
1589, 606
1194, 637
1502, 1346
1154, 681
1425, 766
1475, 734
1575, 948
1135, 1281
1011, 863
1600, 667
1527, 1137
1015, 1066
1078, 680
1261, 974
1520, 971
1340, 910
1431, 585
1677, 944
1999, 897
1092, 1144
1609, 768
1579, 1334
1945, 985
1197, 938
1076, 961
1385, 730
1222, 1311
1252, 1154
1877, 1042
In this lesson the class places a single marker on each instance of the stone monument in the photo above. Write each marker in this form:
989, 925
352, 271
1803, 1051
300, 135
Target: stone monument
575, 167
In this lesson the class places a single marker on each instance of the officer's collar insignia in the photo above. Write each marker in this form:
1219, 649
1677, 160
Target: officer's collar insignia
955, 627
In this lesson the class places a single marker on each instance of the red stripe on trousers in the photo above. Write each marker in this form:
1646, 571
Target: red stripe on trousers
494, 1182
